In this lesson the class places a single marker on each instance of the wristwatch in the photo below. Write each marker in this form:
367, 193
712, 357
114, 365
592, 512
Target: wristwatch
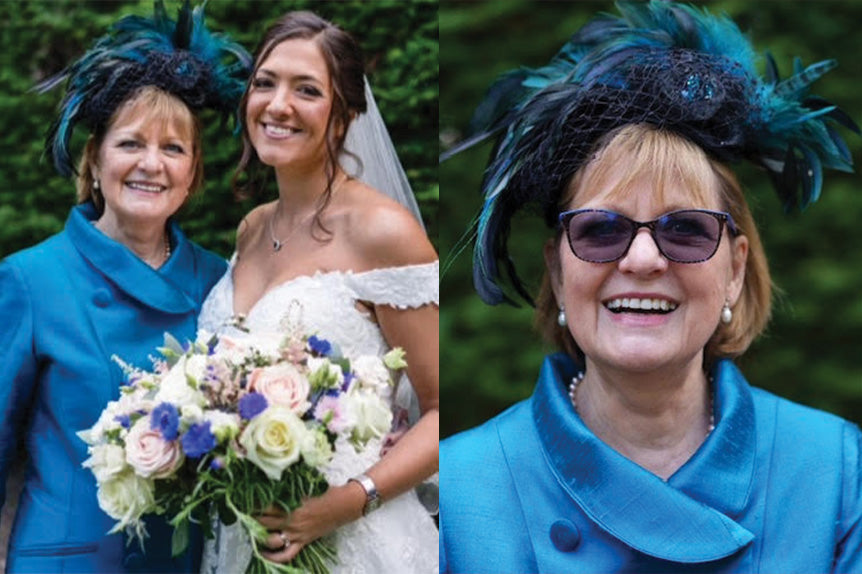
372, 497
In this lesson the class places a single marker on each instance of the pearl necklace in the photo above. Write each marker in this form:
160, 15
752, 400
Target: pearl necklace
578, 378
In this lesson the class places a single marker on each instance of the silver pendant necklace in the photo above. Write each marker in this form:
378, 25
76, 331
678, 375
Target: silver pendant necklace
277, 243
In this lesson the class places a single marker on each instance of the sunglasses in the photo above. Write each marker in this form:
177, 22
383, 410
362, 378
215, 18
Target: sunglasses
684, 236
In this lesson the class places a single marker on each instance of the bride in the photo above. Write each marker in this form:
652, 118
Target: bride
364, 275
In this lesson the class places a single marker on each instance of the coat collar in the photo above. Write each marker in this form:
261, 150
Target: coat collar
687, 519
159, 289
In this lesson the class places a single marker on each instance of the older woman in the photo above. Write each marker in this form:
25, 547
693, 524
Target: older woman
110, 285
643, 448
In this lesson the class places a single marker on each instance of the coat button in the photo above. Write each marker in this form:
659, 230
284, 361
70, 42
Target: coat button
565, 536
101, 298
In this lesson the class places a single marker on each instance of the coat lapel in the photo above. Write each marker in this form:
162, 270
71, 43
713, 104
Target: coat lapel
131, 275
684, 520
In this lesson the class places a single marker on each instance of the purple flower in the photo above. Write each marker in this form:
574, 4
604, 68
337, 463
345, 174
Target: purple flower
320, 346
124, 421
348, 378
217, 463
198, 440
252, 405
165, 418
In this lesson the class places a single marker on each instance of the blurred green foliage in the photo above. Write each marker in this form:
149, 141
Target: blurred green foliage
490, 355
38, 38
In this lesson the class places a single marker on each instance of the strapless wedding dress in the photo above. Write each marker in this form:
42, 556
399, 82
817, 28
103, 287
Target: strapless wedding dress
400, 536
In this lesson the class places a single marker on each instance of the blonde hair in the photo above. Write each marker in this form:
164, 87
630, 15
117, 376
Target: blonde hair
155, 105
667, 158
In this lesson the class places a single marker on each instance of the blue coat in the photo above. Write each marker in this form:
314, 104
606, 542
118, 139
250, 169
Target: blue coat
67, 306
774, 488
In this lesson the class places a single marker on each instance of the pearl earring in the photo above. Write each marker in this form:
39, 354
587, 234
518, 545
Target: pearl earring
561, 317
96, 184
726, 313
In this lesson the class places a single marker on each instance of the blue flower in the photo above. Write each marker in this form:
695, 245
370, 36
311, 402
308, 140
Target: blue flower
319, 346
348, 378
198, 440
124, 421
252, 405
165, 418
217, 463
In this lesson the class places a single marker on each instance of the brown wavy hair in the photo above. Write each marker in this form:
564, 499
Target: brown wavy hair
344, 61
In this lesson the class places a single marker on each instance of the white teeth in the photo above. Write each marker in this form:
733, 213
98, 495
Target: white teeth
280, 131
150, 187
627, 303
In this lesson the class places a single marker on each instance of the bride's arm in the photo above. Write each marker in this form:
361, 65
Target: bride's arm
396, 240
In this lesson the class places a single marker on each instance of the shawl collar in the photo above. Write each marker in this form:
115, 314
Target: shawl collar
684, 520
158, 289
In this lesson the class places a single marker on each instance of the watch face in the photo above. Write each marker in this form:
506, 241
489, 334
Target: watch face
373, 504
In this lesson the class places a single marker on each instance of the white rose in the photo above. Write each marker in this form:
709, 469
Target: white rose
224, 426
281, 385
106, 461
175, 388
372, 373
370, 414
273, 439
149, 453
126, 497
316, 450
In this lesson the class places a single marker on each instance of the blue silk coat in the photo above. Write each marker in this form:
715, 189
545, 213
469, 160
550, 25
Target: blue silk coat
67, 306
774, 488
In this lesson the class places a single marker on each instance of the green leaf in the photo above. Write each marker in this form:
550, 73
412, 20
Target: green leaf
180, 538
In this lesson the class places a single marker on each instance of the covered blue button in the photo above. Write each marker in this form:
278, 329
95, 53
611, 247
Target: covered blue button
565, 535
101, 298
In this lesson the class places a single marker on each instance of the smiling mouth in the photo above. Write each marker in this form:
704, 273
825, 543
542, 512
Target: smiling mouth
280, 130
146, 187
643, 306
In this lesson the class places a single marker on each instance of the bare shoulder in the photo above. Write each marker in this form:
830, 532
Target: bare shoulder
385, 233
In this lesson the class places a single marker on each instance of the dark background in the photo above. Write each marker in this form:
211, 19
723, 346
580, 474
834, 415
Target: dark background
490, 355
38, 38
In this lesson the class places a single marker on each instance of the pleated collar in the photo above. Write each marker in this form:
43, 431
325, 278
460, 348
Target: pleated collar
156, 288
687, 519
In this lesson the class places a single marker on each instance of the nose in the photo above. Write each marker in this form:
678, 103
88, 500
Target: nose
151, 160
643, 256
281, 103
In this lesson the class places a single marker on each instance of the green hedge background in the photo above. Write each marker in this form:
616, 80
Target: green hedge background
39, 37
490, 355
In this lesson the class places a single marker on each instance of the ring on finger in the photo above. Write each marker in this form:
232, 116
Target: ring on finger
284, 539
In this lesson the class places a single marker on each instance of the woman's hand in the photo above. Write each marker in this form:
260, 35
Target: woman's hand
318, 516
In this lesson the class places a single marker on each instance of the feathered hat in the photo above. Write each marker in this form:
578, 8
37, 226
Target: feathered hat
666, 64
182, 57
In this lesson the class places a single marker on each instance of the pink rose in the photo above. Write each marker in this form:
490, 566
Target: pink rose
282, 385
149, 453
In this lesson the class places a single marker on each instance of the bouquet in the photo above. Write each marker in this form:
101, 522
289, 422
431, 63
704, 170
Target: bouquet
233, 426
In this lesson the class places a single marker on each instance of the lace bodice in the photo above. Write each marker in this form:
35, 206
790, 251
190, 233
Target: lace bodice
326, 303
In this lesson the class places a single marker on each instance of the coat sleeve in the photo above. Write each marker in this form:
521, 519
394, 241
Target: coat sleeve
848, 557
18, 361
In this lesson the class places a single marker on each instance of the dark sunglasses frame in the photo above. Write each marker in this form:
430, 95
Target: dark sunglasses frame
723, 218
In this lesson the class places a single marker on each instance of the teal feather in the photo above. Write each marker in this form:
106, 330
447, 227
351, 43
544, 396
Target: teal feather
203, 69
781, 127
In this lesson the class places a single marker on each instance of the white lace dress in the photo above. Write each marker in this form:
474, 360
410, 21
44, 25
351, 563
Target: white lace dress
400, 536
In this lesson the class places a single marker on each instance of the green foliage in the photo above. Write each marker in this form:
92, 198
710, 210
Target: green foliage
491, 356
39, 37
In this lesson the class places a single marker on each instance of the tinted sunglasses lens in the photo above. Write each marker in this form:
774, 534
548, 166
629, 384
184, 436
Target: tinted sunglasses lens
599, 236
688, 236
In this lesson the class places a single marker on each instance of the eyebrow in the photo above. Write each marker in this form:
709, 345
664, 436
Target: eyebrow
298, 78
